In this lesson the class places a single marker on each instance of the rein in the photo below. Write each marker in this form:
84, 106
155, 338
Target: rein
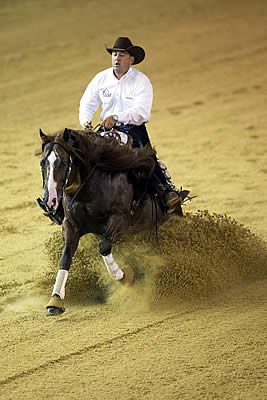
72, 154
83, 184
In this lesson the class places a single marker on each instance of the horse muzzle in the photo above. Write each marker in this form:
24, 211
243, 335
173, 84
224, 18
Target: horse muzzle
52, 199
56, 216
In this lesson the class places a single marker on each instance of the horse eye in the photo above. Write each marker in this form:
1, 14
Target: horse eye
63, 163
42, 163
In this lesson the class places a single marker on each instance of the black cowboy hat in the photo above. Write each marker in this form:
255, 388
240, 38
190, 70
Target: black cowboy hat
124, 44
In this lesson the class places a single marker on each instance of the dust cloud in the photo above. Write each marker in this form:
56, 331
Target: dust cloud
193, 257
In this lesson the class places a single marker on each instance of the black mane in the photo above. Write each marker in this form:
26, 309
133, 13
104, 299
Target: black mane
104, 152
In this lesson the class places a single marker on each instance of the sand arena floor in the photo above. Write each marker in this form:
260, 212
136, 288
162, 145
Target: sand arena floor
207, 62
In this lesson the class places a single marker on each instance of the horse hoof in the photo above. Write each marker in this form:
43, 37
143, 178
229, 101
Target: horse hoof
55, 306
128, 278
54, 311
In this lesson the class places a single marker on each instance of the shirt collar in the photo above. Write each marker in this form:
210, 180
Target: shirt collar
125, 76
128, 73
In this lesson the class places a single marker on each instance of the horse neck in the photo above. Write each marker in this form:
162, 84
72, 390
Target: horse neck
80, 177
74, 179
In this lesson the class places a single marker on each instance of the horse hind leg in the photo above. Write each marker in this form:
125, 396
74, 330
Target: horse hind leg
124, 275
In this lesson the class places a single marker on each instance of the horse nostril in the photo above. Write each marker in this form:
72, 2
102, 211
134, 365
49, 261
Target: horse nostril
54, 201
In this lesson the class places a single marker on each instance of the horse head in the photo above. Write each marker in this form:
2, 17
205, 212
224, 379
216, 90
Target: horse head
55, 167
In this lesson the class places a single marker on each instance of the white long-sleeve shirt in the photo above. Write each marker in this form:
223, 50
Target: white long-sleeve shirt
130, 98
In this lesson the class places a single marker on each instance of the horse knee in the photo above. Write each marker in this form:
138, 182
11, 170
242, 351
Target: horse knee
105, 246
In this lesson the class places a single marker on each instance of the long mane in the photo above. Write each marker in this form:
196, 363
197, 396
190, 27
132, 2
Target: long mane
105, 152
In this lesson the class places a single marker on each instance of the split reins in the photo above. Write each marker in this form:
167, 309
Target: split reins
70, 163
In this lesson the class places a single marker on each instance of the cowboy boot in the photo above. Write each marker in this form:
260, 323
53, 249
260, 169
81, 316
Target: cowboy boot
175, 200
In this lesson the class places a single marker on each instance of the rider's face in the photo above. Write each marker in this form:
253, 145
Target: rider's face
121, 62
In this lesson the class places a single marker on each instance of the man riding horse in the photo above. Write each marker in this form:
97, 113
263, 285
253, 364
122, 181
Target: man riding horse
126, 96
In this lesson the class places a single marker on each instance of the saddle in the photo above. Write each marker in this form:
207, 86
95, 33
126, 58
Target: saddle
158, 186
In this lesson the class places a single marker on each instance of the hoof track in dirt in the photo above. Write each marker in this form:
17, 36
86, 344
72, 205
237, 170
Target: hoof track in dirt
87, 349
178, 109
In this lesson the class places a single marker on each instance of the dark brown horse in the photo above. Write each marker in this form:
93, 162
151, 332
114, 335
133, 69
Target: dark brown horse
104, 189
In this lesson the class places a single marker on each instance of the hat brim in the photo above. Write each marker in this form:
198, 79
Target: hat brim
136, 51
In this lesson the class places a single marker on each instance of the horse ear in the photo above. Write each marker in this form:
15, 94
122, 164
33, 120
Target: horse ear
66, 134
42, 135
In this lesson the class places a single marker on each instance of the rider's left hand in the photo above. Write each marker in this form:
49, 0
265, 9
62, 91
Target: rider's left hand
108, 122
88, 125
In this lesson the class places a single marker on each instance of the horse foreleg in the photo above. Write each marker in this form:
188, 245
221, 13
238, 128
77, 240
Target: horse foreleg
71, 240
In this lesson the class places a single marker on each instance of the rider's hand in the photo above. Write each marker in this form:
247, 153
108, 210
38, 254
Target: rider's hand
108, 122
88, 125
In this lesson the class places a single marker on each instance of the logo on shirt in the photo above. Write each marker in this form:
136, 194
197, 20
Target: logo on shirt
106, 93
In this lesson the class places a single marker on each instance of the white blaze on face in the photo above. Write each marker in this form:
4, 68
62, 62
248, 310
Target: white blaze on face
51, 184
